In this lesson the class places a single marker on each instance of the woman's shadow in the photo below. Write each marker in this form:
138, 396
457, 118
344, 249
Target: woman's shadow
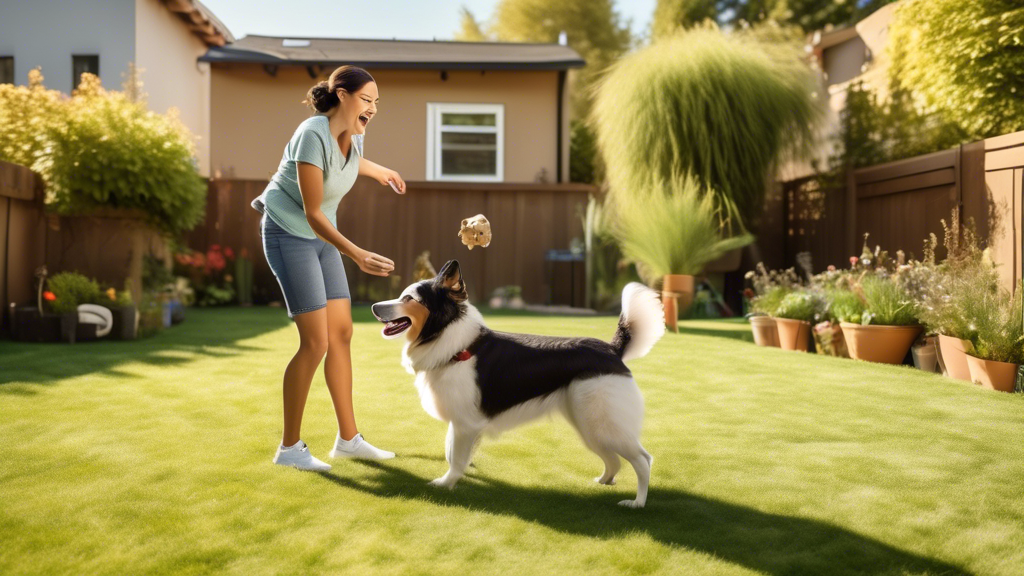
762, 541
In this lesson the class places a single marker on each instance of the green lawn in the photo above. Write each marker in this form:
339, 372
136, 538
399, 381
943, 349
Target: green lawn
154, 457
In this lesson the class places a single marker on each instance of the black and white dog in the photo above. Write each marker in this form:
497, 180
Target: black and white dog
480, 381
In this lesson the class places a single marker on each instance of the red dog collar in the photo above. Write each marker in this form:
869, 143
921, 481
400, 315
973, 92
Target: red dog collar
462, 356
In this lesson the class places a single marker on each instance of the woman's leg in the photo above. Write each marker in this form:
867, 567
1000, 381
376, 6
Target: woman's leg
313, 344
338, 366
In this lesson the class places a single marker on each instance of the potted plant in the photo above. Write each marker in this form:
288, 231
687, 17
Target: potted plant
889, 323
672, 229
766, 291
122, 309
843, 307
794, 316
955, 296
998, 345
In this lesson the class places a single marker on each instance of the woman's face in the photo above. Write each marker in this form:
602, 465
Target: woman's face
358, 108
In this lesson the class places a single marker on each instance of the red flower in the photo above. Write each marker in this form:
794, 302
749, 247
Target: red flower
229, 252
748, 294
853, 260
244, 253
214, 247
198, 260
49, 296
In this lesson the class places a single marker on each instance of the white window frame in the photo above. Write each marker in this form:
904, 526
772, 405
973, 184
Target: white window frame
435, 129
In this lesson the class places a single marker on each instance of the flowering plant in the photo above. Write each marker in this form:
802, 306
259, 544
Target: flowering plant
209, 274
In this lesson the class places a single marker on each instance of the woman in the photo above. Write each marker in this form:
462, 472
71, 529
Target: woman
303, 247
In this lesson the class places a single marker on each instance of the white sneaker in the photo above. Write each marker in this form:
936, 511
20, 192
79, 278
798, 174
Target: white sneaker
358, 448
298, 456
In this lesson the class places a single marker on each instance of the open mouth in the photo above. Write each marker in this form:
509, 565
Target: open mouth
364, 120
395, 327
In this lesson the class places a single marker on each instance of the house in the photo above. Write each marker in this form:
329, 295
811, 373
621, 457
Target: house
844, 57
449, 111
164, 39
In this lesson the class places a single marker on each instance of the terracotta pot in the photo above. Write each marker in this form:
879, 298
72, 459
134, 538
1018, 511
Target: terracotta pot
992, 375
828, 339
765, 331
676, 296
954, 357
885, 344
793, 334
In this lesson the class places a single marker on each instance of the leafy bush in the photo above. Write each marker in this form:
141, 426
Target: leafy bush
723, 107
769, 302
72, 289
886, 303
805, 305
963, 57
1000, 332
27, 114
103, 149
608, 271
673, 227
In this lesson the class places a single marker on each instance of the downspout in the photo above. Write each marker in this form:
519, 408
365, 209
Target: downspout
560, 136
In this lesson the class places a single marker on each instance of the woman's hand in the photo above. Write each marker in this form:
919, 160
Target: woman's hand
373, 264
390, 176
382, 175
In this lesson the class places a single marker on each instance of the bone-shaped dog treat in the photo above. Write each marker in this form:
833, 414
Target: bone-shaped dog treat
476, 231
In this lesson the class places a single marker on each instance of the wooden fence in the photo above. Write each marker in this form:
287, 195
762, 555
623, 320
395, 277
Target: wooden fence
526, 219
107, 245
898, 204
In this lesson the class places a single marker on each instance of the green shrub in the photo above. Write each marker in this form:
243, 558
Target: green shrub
113, 152
845, 306
801, 305
768, 303
674, 227
723, 107
886, 303
999, 332
72, 289
27, 113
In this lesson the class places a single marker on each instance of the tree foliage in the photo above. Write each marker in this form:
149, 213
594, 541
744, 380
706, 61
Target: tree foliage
671, 15
964, 59
809, 15
469, 30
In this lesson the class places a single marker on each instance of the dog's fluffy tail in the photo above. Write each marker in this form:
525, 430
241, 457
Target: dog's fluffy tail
641, 324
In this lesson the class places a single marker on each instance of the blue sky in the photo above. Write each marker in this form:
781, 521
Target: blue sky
402, 19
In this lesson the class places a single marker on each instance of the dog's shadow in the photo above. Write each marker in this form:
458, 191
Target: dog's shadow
762, 541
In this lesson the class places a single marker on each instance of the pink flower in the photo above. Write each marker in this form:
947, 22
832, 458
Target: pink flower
853, 260
831, 268
229, 252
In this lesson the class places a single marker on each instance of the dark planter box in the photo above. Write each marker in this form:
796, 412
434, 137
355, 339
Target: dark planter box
86, 332
125, 323
28, 326
177, 312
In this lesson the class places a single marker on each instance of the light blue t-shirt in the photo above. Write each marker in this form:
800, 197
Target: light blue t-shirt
312, 143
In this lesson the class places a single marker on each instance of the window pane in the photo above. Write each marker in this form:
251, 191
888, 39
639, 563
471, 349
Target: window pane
81, 65
6, 69
469, 140
469, 163
469, 119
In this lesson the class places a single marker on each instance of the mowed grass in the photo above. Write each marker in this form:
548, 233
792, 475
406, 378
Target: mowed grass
154, 457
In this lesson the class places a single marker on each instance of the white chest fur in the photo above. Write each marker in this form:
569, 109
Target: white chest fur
450, 393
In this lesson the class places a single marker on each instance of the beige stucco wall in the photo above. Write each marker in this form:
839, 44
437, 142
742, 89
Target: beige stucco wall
253, 114
166, 51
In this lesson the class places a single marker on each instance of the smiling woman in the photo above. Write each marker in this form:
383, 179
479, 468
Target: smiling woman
303, 247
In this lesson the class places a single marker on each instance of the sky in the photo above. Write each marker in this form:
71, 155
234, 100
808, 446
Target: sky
401, 19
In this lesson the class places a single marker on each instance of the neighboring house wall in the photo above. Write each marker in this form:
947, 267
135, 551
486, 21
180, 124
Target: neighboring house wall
166, 52
46, 33
254, 114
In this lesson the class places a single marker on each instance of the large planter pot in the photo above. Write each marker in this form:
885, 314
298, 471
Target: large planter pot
676, 297
954, 357
793, 334
765, 331
126, 323
992, 375
885, 344
28, 326
926, 356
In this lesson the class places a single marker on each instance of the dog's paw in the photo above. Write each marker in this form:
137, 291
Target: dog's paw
442, 483
601, 480
631, 504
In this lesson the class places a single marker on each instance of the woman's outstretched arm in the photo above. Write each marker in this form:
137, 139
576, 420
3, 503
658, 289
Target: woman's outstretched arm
311, 186
381, 174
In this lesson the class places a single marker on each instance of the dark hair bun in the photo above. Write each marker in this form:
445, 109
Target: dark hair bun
321, 98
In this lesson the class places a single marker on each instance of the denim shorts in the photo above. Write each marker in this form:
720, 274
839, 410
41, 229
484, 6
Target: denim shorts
309, 271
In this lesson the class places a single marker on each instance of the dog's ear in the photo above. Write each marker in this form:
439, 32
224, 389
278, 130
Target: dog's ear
450, 277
